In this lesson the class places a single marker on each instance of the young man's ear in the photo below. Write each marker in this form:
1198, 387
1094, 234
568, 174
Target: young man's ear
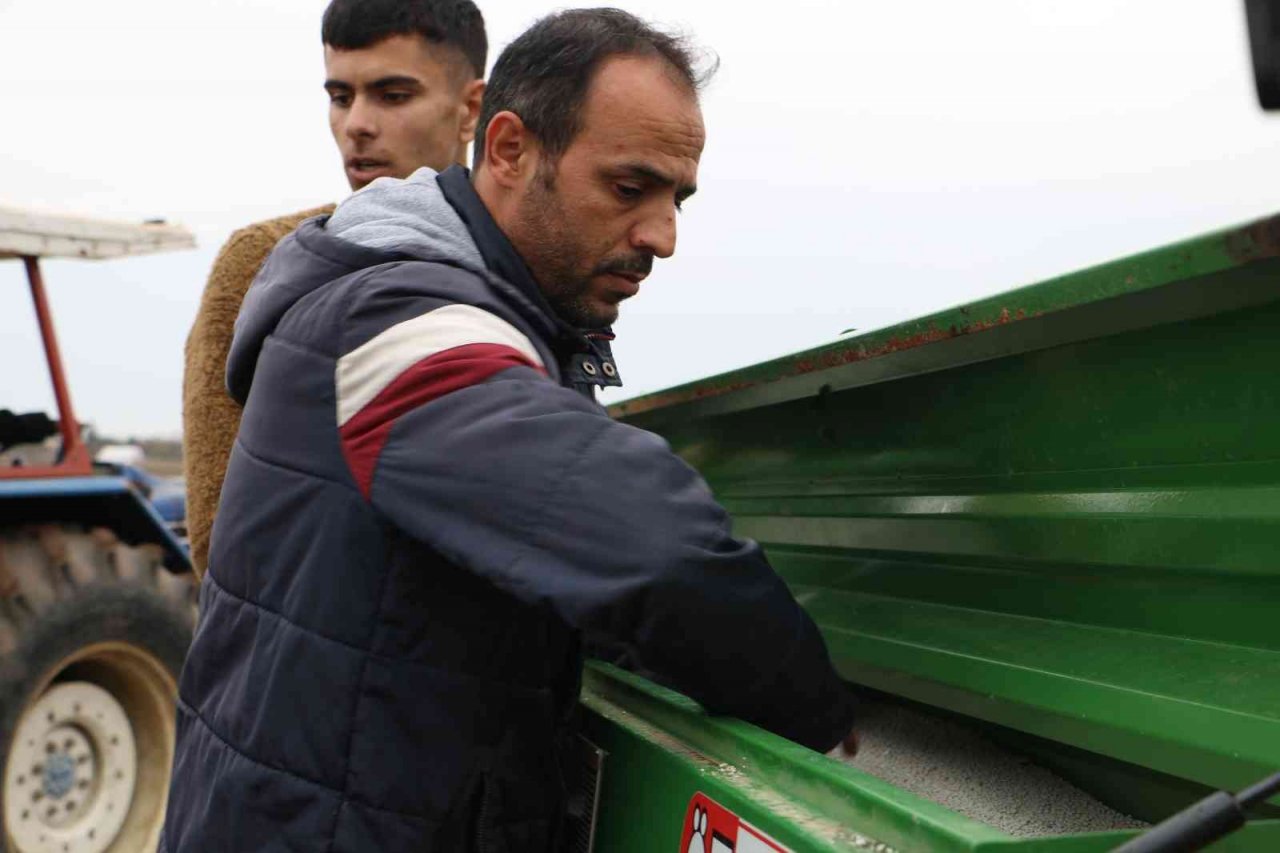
472, 95
508, 149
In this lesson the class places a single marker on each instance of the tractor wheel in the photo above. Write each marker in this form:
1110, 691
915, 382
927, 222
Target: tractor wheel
92, 637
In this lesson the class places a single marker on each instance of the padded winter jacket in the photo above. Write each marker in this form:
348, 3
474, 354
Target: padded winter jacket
422, 515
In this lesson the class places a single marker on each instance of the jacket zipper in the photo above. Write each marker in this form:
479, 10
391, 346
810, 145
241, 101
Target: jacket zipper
482, 834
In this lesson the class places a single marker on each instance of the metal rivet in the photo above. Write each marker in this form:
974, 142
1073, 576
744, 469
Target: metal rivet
610, 370
588, 368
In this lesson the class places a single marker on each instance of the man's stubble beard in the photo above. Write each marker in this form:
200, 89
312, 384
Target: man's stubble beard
553, 255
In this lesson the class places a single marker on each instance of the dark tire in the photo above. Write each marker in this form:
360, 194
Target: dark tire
92, 638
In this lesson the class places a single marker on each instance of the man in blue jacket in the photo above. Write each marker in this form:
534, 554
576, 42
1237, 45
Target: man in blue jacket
426, 510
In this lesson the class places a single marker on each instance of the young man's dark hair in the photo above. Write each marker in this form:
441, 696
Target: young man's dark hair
353, 24
543, 75
404, 80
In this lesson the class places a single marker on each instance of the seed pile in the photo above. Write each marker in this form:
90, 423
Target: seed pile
959, 768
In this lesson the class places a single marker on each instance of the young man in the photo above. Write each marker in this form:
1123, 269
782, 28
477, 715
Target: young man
426, 511
404, 79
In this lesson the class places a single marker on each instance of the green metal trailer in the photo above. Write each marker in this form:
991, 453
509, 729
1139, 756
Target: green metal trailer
1051, 517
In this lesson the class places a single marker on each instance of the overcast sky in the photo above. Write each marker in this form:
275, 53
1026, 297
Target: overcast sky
867, 162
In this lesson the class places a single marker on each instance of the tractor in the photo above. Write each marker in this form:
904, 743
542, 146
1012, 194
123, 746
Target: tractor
97, 598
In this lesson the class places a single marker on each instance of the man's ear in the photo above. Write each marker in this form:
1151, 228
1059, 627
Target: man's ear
508, 149
472, 95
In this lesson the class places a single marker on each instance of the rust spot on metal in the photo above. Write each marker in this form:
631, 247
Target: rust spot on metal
1257, 240
815, 362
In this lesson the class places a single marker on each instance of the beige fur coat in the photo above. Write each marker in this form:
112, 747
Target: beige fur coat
210, 418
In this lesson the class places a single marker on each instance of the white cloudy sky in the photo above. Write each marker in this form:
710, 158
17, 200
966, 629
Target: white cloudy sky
867, 162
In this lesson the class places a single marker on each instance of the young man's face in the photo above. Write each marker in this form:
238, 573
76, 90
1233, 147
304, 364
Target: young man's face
590, 225
398, 105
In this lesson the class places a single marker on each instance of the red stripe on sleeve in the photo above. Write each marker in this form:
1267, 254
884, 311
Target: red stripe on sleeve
364, 435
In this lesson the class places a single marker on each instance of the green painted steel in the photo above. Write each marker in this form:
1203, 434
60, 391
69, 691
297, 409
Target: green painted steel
1056, 510
1165, 284
662, 750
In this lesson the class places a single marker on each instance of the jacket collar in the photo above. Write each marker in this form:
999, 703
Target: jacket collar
499, 255
594, 357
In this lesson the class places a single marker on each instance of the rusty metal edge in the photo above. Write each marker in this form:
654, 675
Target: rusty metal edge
1194, 258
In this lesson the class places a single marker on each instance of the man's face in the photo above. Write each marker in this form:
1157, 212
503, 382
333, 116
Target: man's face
398, 105
590, 224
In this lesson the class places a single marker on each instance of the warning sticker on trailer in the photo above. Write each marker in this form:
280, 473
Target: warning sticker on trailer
711, 828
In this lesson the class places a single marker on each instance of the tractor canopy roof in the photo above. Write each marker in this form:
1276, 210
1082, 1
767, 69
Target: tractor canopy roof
45, 235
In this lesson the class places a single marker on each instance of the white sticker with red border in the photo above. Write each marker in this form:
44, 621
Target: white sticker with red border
711, 828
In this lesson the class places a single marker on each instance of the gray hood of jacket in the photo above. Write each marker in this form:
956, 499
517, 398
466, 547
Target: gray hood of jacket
389, 220
409, 216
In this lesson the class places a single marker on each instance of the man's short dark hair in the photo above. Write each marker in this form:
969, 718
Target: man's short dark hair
353, 24
543, 75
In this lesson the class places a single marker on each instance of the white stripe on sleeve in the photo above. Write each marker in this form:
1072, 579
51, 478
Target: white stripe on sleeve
366, 370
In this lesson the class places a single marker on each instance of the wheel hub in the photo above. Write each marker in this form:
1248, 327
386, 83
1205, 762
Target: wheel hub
59, 775
71, 771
